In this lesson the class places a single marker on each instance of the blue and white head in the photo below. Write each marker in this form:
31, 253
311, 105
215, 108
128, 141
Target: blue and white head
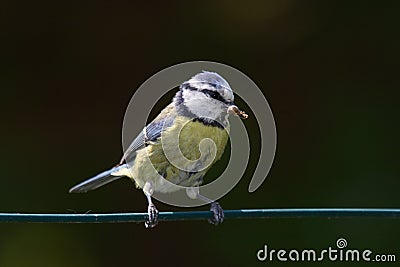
206, 95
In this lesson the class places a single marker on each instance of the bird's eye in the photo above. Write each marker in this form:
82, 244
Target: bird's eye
214, 95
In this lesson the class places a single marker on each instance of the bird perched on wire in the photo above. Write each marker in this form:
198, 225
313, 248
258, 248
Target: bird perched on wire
170, 149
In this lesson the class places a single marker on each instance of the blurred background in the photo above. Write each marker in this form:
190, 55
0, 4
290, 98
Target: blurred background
68, 70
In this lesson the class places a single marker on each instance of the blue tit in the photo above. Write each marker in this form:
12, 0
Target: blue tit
199, 110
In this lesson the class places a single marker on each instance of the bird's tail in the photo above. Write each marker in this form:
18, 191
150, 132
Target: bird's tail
100, 179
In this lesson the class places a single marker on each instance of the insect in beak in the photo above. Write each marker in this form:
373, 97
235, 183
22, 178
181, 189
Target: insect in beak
236, 111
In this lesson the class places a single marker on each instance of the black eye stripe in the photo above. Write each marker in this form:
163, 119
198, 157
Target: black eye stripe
214, 94
211, 93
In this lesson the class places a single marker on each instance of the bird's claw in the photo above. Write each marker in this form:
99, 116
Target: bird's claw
152, 219
218, 212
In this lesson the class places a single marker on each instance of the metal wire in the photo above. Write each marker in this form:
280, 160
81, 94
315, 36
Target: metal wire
197, 215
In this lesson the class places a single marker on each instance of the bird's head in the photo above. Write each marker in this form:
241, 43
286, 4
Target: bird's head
207, 95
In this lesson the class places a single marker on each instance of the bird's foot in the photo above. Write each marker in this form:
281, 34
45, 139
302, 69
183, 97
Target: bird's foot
218, 213
152, 219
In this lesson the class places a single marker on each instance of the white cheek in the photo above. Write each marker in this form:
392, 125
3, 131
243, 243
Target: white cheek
201, 106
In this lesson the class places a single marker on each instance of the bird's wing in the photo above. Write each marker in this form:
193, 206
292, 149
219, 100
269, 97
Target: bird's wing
150, 133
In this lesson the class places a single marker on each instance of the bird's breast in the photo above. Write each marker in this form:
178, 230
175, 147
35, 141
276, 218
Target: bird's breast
194, 140
183, 153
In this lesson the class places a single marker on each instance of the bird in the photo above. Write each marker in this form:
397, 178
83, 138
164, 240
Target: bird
199, 110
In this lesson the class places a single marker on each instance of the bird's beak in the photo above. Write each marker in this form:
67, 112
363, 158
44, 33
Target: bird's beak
232, 109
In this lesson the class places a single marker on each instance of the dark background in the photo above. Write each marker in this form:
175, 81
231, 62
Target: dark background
67, 72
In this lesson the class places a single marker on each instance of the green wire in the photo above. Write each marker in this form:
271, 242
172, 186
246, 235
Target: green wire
198, 215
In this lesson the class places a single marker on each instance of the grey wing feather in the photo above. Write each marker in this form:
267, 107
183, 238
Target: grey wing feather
155, 128
136, 144
150, 133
